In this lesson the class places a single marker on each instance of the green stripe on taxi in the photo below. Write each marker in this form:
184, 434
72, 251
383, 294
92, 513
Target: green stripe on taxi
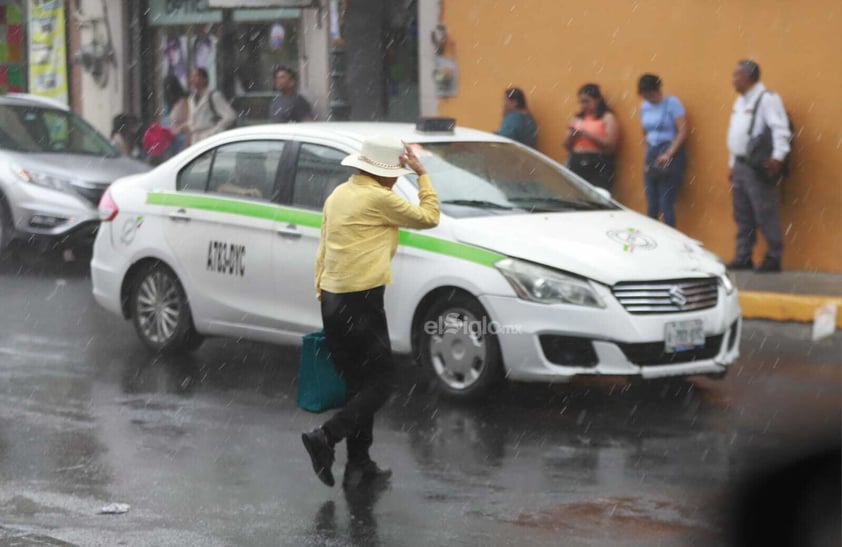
310, 219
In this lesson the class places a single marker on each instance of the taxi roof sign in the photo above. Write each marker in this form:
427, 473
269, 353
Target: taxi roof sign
435, 125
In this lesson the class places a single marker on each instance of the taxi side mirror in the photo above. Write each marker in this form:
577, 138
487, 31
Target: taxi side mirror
603, 192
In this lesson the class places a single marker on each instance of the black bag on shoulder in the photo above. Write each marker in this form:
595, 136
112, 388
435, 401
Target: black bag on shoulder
657, 172
759, 148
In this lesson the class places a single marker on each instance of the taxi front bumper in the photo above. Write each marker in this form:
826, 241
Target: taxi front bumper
547, 343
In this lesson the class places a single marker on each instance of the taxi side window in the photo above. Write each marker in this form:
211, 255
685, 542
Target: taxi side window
194, 177
317, 174
243, 170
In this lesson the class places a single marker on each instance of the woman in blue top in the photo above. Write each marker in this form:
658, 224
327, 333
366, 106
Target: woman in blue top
518, 123
665, 130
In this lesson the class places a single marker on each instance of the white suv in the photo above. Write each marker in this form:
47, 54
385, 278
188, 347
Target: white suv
54, 168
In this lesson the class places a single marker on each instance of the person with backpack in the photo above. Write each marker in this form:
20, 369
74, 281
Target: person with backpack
210, 113
758, 143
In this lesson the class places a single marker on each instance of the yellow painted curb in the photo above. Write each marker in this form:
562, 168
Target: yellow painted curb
784, 306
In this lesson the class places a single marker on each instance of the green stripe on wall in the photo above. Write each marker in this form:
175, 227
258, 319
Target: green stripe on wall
277, 213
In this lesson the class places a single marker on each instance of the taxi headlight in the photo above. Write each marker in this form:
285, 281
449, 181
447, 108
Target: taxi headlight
41, 179
547, 286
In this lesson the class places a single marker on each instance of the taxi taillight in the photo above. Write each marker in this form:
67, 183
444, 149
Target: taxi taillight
107, 208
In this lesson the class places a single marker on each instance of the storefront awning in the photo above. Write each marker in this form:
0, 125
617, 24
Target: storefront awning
166, 13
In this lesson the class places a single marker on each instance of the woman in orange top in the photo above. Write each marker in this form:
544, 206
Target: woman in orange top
592, 136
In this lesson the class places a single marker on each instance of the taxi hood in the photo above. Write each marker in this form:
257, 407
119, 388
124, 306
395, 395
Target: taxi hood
606, 246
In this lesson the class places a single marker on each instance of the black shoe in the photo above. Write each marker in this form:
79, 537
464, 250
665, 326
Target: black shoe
769, 265
735, 264
357, 474
321, 454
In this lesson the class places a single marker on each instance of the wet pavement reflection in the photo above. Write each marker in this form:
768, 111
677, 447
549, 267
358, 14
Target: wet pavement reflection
205, 447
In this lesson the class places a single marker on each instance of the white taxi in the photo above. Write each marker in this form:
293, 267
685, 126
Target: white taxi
531, 275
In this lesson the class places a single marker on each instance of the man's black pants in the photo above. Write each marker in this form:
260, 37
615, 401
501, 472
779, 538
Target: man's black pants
357, 336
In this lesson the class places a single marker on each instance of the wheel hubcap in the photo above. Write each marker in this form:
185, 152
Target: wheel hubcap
158, 307
458, 349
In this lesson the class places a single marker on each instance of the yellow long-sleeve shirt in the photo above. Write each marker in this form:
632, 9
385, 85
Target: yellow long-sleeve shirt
359, 235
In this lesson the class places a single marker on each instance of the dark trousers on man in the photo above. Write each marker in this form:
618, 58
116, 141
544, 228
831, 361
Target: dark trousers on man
357, 336
756, 206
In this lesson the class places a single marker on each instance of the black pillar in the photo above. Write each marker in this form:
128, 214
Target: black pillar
362, 30
340, 108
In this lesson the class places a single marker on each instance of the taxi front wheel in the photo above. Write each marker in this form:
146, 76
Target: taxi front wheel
456, 341
160, 311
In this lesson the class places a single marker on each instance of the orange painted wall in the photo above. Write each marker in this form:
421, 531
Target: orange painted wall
550, 47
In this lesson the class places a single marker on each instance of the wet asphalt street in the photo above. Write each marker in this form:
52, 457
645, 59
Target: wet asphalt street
206, 449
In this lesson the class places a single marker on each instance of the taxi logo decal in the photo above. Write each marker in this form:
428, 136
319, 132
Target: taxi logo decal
130, 228
226, 258
632, 240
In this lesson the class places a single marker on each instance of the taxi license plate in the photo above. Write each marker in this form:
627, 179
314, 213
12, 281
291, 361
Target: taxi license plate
684, 336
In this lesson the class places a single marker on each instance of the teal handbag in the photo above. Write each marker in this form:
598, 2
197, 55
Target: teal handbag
320, 386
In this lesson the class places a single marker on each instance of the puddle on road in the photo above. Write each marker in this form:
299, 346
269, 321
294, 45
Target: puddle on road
626, 517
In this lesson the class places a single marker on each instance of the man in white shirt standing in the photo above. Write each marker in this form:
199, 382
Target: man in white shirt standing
210, 113
754, 189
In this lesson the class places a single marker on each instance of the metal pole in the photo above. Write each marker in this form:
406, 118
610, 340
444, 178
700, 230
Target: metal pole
340, 107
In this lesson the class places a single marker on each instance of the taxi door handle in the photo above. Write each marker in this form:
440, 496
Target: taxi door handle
290, 230
180, 216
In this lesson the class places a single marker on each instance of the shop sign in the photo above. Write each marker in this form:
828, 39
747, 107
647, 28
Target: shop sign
182, 12
47, 57
262, 3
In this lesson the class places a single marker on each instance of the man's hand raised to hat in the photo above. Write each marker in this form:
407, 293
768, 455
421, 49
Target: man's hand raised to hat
409, 160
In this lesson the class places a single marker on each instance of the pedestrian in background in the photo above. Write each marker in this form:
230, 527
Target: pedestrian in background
210, 113
754, 188
178, 114
288, 105
359, 236
518, 124
124, 129
665, 131
592, 136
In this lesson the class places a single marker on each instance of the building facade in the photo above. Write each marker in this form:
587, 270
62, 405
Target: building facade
550, 48
358, 60
397, 59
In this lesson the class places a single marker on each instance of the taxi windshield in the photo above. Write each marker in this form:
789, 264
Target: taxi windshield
493, 178
34, 129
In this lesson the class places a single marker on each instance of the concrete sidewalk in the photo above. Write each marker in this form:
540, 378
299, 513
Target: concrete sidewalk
788, 296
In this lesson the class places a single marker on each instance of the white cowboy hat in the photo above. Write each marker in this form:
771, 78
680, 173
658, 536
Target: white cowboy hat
380, 155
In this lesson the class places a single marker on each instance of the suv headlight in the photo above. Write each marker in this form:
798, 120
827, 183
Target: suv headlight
727, 282
547, 286
42, 179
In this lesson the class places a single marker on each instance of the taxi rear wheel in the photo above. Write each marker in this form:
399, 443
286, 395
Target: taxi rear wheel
160, 311
455, 342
